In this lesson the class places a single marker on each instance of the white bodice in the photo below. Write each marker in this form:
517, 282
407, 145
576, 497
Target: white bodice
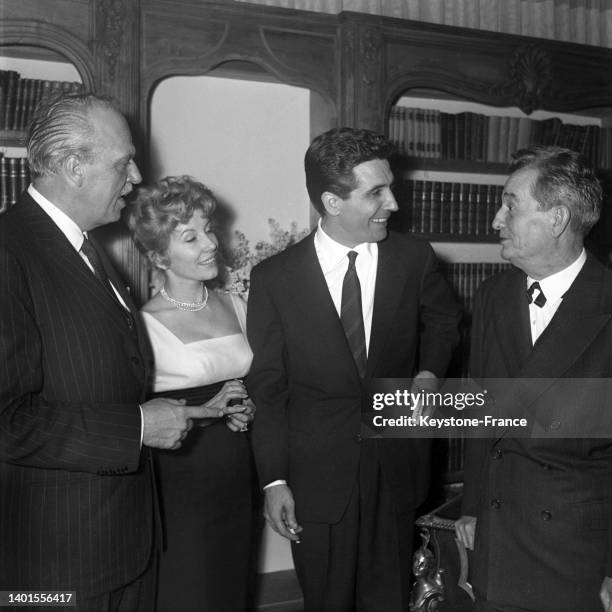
182, 365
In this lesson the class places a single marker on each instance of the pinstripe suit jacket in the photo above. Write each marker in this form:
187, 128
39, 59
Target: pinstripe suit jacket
76, 500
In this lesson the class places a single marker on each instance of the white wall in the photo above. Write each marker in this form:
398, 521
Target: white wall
39, 69
246, 140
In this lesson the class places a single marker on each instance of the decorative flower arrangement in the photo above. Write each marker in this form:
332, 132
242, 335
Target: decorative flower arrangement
241, 259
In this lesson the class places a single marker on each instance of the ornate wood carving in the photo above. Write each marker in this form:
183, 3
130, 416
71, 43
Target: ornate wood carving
54, 37
530, 78
112, 16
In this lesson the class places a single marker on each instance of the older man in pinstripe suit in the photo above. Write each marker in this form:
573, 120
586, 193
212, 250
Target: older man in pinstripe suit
77, 501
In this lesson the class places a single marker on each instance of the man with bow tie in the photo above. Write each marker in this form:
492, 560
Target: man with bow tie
537, 509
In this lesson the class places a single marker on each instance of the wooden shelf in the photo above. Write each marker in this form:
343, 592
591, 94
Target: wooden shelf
12, 138
480, 238
408, 164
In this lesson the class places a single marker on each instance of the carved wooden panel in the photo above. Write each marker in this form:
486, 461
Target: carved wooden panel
188, 38
496, 69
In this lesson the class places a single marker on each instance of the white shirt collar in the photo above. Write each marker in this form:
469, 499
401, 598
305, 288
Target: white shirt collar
331, 253
67, 226
556, 285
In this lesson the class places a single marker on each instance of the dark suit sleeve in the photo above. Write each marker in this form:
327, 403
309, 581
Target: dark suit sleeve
439, 317
37, 432
475, 449
267, 381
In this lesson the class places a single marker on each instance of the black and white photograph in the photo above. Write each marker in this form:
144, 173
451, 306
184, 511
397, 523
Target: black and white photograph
306, 305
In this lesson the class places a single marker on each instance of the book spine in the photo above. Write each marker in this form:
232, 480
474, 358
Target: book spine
426, 206
24, 174
417, 201
435, 214
4, 186
13, 179
454, 208
492, 138
446, 208
11, 93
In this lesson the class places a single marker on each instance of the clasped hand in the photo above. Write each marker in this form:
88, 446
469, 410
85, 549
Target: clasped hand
166, 422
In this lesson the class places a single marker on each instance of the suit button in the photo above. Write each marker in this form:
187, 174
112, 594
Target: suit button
358, 438
545, 466
497, 454
546, 515
135, 360
496, 504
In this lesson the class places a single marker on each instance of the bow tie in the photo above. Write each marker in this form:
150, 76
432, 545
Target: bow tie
538, 301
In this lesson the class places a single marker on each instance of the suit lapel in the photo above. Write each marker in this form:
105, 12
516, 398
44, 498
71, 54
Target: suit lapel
575, 325
57, 249
390, 279
513, 331
307, 288
579, 319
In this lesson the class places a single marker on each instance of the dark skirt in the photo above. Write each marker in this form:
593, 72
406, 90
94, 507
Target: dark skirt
206, 490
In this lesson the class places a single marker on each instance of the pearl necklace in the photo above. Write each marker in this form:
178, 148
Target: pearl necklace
187, 306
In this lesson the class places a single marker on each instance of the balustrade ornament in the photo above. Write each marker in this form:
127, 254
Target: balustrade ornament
427, 590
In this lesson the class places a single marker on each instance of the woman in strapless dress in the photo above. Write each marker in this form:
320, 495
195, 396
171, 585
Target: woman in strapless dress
201, 354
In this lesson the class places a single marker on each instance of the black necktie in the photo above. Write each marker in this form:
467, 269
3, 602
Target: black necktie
90, 251
352, 316
538, 301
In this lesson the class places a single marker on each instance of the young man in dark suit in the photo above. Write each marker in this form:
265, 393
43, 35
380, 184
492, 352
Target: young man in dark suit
347, 303
537, 509
76, 497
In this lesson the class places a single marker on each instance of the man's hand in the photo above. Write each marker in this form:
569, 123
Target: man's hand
279, 511
166, 422
605, 594
465, 529
424, 381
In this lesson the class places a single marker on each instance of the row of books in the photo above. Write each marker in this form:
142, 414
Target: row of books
19, 97
454, 454
465, 278
438, 207
14, 180
474, 137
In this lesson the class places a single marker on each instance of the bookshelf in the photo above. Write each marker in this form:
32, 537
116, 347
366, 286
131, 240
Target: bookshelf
24, 81
450, 170
453, 157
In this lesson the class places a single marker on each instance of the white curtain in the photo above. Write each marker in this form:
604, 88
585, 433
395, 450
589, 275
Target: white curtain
581, 21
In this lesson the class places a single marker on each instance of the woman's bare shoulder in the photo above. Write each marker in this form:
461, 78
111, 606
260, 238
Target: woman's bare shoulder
156, 306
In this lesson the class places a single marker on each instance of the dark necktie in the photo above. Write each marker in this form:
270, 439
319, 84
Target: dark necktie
352, 316
540, 300
90, 251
